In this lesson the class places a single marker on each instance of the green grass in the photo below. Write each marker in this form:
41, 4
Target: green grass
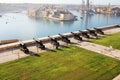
109, 40
72, 63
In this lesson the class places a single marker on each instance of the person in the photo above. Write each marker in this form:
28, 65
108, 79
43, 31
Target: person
111, 47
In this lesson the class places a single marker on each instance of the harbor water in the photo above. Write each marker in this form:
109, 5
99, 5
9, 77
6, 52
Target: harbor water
20, 26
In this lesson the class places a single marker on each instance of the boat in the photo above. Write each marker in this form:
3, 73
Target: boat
0, 15
90, 12
118, 14
81, 17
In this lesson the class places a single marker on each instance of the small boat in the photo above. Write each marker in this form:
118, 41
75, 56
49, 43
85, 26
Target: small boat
118, 14
81, 17
0, 15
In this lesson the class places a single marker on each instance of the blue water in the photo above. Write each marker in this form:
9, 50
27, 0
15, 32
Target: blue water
20, 26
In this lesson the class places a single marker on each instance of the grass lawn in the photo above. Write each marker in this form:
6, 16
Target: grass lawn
109, 40
72, 63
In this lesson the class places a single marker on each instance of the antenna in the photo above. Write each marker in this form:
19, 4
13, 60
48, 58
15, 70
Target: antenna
88, 4
83, 6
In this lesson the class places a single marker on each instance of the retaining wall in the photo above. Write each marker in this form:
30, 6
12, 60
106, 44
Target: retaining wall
46, 39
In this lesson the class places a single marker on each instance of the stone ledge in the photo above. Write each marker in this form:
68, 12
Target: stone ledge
46, 39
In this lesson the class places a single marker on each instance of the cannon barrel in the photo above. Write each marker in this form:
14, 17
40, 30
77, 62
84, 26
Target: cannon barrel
76, 36
64, 38
99, 31
54, 42
92, 32
52, 39
23, 47
84, 34
39, 44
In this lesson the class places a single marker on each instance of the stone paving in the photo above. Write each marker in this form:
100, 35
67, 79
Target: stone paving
17, 53
117, 78
108, 51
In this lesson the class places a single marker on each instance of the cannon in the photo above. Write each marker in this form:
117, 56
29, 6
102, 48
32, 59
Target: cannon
92, 32
64, 39
84, 34
76, 36
99, 31
23, 47
39, 44
54, 42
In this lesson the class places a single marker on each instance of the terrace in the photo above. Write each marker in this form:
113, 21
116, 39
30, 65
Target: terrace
68, 62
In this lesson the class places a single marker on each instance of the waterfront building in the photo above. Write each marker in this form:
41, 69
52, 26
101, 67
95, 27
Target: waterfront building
32, 12
116, 11
51, 13
99, 10
108, 9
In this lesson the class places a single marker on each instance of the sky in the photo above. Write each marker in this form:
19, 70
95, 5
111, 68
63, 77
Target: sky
104, 2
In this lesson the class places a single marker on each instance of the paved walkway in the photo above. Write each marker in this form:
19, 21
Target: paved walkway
112, 31
117, 78
16, 53
100, 49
